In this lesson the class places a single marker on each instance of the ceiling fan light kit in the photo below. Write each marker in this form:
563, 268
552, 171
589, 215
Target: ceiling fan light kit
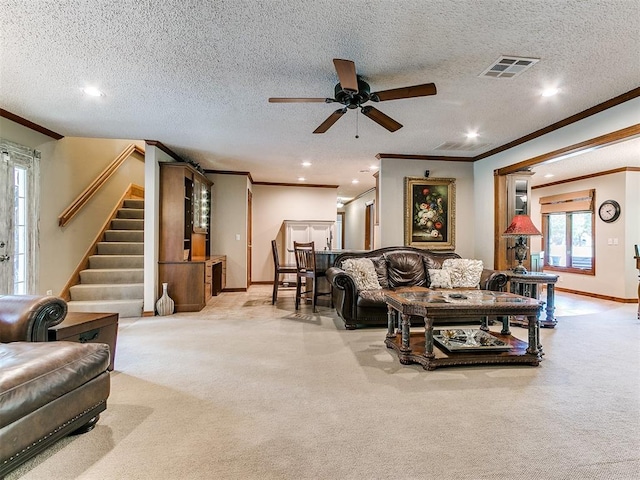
353, 92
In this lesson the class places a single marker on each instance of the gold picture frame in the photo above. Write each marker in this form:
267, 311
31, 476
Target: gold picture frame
430, 213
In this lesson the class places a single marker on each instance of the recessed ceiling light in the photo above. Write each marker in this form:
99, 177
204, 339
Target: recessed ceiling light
306, 164
550, 92
93, 92
472, 135
548, 175
301, 179
374, 167
354, 181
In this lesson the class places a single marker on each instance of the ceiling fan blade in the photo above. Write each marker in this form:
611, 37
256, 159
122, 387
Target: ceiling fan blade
300, 100
404, 92
381, 119
346, 71
333, 118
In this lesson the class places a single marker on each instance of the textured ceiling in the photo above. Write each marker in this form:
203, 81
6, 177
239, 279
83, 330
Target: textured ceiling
196, 75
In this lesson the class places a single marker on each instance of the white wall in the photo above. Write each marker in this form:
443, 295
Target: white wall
354, 220
611, 260
229, 197
272, 205
153, 157
391, 195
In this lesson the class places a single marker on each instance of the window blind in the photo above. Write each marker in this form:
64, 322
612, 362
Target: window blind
568, 202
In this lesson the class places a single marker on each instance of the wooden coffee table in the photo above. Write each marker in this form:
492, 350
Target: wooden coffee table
440, 305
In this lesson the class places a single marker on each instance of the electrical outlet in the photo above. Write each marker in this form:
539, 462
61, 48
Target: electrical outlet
49, 292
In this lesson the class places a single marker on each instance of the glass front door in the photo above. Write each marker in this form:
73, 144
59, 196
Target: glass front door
18, 219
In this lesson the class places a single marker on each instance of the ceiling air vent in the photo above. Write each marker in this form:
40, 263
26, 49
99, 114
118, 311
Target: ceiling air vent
462, 146
509, 67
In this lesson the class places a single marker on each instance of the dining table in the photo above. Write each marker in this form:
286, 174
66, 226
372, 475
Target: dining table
325, 259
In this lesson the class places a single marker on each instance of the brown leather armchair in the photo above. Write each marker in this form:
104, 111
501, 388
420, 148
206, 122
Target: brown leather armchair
47, 389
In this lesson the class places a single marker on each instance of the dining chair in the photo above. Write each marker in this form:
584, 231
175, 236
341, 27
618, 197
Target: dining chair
305, 254
278, 269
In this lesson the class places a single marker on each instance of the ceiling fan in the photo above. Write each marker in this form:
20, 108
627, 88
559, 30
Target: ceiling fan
353, 92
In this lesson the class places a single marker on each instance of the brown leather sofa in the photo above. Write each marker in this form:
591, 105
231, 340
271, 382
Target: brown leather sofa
395, 267
47, 389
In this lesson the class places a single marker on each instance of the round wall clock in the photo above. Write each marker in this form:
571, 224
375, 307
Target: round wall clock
609, 211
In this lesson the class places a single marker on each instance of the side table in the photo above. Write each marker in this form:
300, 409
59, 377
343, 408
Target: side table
526, 284
88, 327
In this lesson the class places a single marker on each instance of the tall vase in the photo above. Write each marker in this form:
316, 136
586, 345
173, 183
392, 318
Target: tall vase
164, 305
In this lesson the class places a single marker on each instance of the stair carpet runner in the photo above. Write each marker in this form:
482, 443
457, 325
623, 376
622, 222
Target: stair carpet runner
114, 281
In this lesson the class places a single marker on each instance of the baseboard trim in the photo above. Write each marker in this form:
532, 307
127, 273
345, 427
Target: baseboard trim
234, 290
263, 282
148, 314
597, 295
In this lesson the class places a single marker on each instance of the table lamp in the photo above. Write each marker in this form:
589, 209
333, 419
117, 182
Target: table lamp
521, 226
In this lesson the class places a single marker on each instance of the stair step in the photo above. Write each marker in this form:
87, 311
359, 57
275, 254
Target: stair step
137, 213
116, 261
127, 224
124, 308
111, 275
107, 291
124, 235
120, 248
134, 203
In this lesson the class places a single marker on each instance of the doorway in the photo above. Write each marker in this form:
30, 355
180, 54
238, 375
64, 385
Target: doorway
19, 193
368, 225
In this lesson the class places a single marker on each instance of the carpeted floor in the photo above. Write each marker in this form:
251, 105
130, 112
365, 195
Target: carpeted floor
246, 390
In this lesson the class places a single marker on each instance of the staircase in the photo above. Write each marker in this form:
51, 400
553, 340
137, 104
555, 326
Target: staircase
114, 281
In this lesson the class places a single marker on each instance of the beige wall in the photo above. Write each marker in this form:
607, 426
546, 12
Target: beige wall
391, 183
229, 225
24, 136
631, 214
602, 123
272, 205
614, 263
354, 221
67, 167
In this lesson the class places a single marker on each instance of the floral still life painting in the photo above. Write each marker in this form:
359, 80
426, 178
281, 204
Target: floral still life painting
430, 213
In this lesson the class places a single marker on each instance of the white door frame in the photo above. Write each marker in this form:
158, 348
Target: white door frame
12, 156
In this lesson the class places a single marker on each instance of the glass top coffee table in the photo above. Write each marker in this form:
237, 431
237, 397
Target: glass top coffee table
454, 346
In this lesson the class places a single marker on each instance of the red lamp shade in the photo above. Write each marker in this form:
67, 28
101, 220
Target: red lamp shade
521, 226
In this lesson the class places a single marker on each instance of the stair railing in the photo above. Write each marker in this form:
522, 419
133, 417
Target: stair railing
72, 210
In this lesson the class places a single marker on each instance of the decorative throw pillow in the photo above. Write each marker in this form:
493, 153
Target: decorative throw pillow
440, 278
380, 264
363, 273
465, 273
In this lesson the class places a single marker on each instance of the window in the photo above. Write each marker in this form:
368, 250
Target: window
20, 231
568, 232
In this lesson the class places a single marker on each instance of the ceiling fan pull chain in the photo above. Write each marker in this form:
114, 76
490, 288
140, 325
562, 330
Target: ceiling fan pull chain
357, 115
